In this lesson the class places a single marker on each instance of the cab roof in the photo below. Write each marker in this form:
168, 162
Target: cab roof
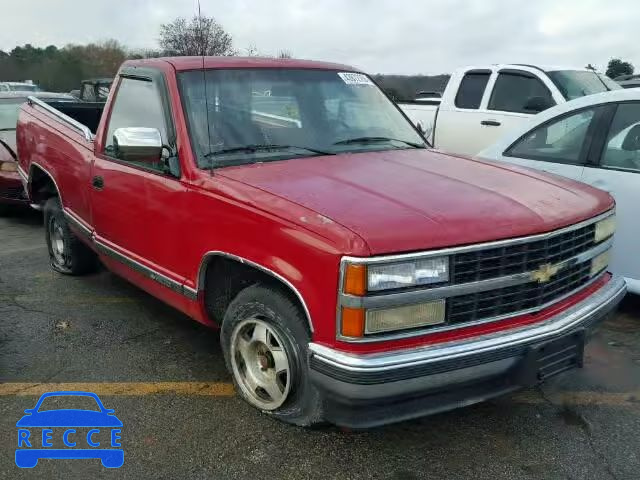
196, 63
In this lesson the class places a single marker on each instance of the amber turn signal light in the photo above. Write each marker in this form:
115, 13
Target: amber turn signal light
355, 280
352, 322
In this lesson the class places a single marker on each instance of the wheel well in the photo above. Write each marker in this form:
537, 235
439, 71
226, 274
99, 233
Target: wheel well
42, 186
225, 278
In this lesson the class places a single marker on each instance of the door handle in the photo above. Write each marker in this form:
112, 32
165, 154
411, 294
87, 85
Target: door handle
490, 123
97, 183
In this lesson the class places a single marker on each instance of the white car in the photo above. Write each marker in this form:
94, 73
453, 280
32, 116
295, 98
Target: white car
483, 103
18, 87
596, 140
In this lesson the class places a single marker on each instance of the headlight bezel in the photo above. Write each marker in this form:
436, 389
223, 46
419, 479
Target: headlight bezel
355, 275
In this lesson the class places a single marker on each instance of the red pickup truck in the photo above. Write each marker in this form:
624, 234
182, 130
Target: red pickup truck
357, 276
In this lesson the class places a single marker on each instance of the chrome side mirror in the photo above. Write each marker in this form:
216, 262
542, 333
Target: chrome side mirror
137, 144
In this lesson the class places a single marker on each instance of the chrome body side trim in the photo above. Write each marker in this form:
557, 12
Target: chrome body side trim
200, 280
477, 246
88, 136
23, 175
575, 316
78, 223
143, 269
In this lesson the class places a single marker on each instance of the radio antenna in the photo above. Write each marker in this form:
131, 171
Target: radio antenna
204, 81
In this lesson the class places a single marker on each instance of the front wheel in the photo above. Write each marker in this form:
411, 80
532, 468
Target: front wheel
264, 340
68, 255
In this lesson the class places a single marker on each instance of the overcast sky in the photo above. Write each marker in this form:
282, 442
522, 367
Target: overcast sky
386, 36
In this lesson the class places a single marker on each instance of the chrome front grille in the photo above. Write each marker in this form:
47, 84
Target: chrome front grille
520, 258
508, 300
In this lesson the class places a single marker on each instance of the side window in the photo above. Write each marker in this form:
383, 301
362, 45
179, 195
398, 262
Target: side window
472, 89
137, 104
514, 93
560, 141
622, 148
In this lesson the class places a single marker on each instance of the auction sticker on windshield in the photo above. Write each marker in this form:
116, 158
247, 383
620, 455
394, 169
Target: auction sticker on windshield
351, 78
69, 425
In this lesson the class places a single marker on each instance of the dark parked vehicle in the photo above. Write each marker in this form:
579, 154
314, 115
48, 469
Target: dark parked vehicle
94, 90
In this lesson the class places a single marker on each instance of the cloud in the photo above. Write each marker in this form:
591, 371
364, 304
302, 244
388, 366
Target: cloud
389, 36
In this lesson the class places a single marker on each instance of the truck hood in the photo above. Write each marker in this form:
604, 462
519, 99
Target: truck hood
409, 200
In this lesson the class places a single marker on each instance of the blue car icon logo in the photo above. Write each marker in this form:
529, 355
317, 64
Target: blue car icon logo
89, 432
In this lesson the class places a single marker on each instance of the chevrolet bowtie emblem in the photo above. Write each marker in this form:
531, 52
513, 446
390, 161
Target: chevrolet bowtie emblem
545, 273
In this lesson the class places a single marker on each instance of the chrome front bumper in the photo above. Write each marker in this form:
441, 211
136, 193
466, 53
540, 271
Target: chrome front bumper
350, 381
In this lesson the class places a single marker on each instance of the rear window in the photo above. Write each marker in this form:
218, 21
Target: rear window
472, 89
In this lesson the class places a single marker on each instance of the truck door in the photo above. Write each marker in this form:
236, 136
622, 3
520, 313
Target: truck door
512, 97
458, 126
515, 97
616, 169
137, 204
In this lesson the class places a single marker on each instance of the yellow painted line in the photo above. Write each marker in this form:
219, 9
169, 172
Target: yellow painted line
211, 389
225, 389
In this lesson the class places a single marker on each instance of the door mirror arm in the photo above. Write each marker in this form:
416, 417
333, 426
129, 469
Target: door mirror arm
171, 161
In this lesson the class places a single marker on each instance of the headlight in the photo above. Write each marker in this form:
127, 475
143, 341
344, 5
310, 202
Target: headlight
362, 278
605, 228
411, 316
407, 274
8, 167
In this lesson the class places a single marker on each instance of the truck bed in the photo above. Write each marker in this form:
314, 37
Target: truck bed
87, 113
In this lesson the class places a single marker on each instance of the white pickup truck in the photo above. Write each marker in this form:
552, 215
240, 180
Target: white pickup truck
480, 104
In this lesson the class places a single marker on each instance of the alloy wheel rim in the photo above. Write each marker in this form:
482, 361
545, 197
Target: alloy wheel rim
260, 363
57, 241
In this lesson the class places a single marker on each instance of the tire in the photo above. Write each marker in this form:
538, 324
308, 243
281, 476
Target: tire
67, 254
4, 210
261, 308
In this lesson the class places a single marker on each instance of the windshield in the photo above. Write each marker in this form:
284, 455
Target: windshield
258, 115
579, 83
9, 109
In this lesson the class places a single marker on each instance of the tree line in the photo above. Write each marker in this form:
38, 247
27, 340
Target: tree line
62, 69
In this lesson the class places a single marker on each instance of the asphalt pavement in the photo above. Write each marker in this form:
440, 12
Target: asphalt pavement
164, 375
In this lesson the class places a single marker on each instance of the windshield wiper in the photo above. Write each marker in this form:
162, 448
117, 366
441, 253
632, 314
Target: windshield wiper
364, 140
263, 148
8, 129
